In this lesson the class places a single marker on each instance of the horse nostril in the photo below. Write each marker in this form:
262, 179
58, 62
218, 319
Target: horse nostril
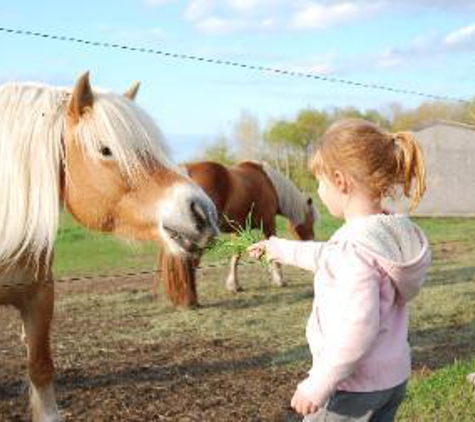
199, 215
214, 232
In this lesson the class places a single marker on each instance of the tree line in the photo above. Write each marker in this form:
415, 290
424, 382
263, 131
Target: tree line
287, 143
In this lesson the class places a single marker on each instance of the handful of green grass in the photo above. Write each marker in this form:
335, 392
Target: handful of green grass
241, 240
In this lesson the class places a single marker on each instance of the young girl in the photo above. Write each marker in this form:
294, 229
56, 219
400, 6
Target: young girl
365, 275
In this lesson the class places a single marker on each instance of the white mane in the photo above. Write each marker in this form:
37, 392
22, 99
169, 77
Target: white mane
32, 125
292, 202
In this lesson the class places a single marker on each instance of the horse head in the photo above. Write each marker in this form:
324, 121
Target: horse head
117, 176
304, 230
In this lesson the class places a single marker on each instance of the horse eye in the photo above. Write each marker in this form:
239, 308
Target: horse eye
106, 152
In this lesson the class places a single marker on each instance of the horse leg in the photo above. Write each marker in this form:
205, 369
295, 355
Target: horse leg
23, 335
275, 269
232, 282
471, 380
37, 313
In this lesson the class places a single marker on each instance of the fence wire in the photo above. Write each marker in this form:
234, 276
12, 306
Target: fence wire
231, 63
143, 272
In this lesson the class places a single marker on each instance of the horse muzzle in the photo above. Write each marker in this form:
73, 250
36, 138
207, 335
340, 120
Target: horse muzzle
190, 230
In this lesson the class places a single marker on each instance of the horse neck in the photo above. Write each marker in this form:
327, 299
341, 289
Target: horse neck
290, 199
214, 178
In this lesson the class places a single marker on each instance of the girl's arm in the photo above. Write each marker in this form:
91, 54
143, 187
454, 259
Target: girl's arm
352, 329
302, 254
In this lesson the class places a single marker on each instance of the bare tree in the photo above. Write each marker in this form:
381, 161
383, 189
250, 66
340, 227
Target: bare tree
248, 138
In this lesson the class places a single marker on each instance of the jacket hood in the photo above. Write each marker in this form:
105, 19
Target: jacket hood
399, 246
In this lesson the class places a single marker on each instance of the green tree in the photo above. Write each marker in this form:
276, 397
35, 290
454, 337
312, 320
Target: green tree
311, 125
429, 111
219, 151
282, 133
377, 117
346, 113
468, 112
284, 138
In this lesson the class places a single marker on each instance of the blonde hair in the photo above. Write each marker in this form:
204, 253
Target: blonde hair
379, 160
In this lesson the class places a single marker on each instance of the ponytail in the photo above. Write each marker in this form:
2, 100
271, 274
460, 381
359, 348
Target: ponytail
378, 160
410, 166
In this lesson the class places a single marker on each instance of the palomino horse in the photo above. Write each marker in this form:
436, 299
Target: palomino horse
247, 187
101, 156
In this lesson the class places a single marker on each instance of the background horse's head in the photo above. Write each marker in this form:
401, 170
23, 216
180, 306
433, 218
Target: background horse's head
117, 176
304, 230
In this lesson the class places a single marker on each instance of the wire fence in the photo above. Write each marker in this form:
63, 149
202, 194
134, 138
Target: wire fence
231, 63
157, 271
140, 272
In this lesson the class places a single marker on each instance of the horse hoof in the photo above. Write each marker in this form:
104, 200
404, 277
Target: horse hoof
234, 289
471, 378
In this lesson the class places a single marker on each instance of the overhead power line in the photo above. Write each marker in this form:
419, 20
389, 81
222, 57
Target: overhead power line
222, 62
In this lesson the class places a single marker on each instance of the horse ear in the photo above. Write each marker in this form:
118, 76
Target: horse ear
82, 98
131, 93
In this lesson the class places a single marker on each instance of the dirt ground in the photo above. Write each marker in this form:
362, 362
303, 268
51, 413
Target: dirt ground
102, 376
177, 380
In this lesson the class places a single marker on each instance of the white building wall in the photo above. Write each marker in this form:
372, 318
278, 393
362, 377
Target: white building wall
449, 151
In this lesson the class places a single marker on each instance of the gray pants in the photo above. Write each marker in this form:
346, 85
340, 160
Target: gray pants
377, 406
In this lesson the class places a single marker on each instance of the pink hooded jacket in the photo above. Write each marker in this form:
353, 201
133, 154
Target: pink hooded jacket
365, 275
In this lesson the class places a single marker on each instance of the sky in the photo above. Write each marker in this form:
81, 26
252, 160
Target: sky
422, 45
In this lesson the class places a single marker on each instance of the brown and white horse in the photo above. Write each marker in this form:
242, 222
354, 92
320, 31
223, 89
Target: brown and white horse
105, 160
247, 187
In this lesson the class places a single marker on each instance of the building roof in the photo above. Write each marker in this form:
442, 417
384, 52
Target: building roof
431, 123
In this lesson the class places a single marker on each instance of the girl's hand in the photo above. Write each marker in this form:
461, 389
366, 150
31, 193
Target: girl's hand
301, 404
257, 250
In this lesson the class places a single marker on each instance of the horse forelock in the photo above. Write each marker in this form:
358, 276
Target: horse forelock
127, 130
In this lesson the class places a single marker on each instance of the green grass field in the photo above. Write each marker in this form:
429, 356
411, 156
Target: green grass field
442, 330
79, 251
